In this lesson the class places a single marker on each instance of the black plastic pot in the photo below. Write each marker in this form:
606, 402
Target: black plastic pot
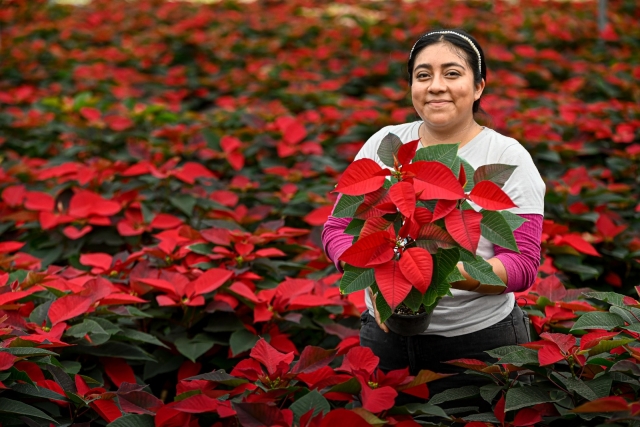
409, 324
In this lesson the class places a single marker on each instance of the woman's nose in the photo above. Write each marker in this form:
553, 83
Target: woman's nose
438, 84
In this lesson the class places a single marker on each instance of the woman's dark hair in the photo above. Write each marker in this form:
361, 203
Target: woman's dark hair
460, 43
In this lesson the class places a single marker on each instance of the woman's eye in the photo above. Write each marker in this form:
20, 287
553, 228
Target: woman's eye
423, 75
453, 74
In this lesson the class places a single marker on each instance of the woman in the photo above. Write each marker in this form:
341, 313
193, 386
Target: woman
447, 75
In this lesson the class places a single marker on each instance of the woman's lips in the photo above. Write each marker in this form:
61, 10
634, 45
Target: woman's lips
437, 103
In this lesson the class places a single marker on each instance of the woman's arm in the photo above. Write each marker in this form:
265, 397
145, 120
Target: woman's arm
517, 270
334, 240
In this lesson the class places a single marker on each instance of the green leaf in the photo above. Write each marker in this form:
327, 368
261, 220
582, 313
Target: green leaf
445, 262
444, 266
520, 357
91, 328
600, 361
19, 275
455, 276
183, 202
430, 297
220, 377
40, 313
496, 229
16, 407
576, 385
62, 378
241, 341
356, 279
347, 206
608, 297
312, 400
634, 327
482, 271
598, 320
118, 349
165, 362
383, 308
503, 351
414, 299
443, 153
18, 375
524, 397
135, 312
351, 386
468, 171
221, 321
139, 336
35, 391
484, 417
27, 351
496, 173
201, 248
108, 326
514, 221
355, 227
75, 398
194, 347
212, 139
455, 394
388, 149
131, 420
608, 345
573, 264
81, 100
425, 409
601, 385
489, 391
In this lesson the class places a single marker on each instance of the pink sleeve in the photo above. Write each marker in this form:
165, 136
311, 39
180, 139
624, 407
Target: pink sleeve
334, 240
522, 268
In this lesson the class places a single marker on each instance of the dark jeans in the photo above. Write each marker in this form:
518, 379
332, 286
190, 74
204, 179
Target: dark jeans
429, 351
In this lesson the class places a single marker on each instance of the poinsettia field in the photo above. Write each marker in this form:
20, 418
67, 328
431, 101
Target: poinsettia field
166, 169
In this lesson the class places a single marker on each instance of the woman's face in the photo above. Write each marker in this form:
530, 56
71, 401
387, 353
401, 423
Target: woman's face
443, 91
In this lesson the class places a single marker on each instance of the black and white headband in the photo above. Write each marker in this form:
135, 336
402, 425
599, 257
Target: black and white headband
473, 46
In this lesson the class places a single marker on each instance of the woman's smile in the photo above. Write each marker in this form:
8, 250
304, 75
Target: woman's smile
438, 103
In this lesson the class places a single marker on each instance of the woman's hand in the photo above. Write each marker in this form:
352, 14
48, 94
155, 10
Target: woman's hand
375, 311
472, 285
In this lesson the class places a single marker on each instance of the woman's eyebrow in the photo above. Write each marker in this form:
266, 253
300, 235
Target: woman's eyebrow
445, 65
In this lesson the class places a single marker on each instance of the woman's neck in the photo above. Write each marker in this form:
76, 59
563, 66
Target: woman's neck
461, 135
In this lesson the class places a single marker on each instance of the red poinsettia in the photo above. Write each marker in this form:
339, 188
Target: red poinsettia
405, 213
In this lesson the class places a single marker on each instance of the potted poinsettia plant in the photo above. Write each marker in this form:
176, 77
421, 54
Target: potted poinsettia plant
413, 222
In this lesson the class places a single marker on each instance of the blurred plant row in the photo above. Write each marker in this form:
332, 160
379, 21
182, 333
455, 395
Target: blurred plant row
166, 168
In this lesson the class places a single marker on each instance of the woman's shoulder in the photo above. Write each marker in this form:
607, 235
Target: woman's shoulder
503, 146
405, 131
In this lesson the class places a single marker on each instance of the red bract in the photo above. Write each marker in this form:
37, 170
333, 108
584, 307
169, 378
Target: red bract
433, 180
555, 347
403, 196
181, 291
392, 283
99, 400
416, 264
374, 249
489, 196
464, 227
361, 177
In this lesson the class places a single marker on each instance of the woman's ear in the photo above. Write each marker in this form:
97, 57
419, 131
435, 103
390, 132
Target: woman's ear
479, 89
